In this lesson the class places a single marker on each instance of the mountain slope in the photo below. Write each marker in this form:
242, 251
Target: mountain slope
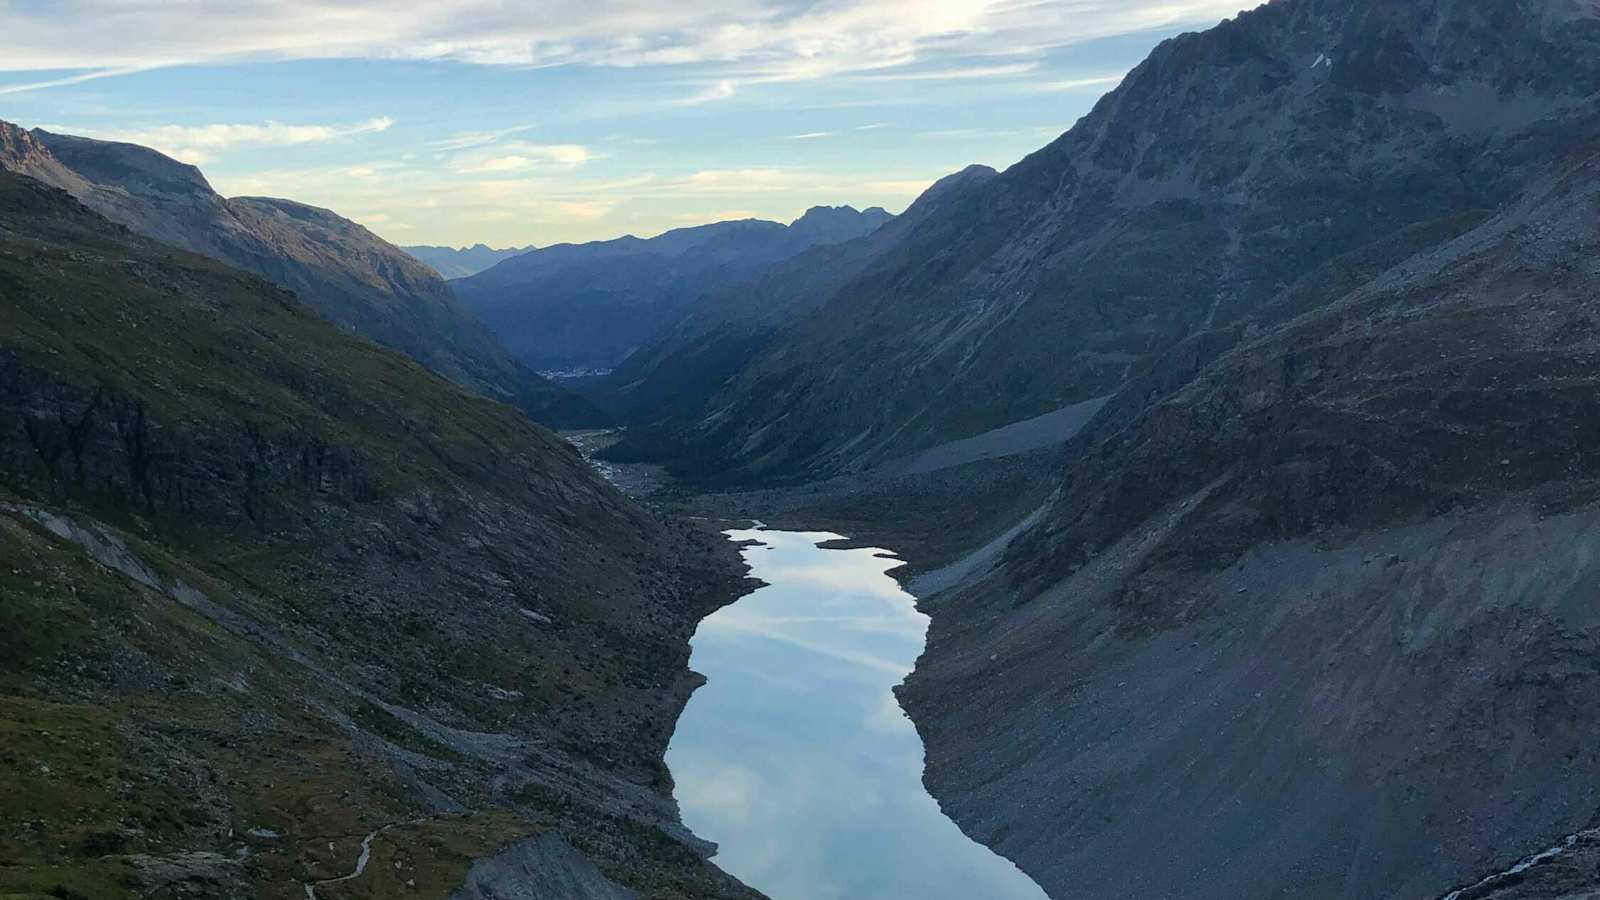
268, 589
1222, 170
671, 377
353, 277
588, 306
1321, 616
462, 262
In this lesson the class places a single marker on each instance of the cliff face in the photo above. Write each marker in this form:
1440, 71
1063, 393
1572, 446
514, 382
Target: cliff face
351, 276
269, 589
1225, 169
1312, 605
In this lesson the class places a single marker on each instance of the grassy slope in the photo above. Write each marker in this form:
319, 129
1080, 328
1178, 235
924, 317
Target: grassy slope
364, 535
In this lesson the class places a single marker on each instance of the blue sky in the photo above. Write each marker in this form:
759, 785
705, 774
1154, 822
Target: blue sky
540, 122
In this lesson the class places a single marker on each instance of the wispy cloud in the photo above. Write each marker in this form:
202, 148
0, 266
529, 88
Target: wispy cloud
79, 78
1036, 132
722, 90
809, 136
964, 73
519, 156
747, 38
550, 204
584, 209
1078, 84
468, 139
202, 143
741, 181
901, 188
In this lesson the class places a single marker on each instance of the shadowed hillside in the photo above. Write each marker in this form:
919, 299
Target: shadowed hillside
267, 588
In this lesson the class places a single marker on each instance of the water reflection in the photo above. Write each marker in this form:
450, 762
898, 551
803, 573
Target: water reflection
795, 757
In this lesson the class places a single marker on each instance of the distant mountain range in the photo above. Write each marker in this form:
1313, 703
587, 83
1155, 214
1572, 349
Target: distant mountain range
675, 373
588, 306
452, 262
353, 277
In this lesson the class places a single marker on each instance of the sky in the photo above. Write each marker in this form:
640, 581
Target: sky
544, 121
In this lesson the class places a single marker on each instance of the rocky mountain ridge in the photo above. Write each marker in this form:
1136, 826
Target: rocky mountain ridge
357, 280
588, 306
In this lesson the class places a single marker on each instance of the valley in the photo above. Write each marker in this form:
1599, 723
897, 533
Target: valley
1203, 506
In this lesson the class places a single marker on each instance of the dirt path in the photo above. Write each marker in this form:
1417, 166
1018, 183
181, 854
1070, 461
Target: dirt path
361, 861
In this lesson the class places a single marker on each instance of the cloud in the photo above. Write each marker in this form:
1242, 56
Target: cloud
895, 669
741, 181
809, 136
964, 134
466, 140
730, 792
722, 90
519, 156
717, 215
745, 39
584, 209
201, 143
958, 74
905, 187
1077, 84
79, 78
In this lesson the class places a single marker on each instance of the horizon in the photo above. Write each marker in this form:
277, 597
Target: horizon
468, 126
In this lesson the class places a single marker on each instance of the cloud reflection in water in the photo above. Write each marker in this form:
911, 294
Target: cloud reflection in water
795, 757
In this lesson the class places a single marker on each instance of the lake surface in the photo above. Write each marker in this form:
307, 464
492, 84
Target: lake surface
795, 758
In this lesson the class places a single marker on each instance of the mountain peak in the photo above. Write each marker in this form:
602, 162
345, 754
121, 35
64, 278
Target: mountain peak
16, 144
129, 166
832, 224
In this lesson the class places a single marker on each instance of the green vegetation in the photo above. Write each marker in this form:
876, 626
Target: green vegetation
265, 588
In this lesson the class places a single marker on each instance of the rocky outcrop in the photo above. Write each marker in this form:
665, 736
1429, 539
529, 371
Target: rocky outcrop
538, 868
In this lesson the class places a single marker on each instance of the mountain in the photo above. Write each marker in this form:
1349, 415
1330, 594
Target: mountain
353, 277
581, 307
272, 595
452, 262
676, 373
1320, 598
1306, 608
1221, 172
1303, 604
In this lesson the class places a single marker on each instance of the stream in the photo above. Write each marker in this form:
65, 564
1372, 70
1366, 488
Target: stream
795, 757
